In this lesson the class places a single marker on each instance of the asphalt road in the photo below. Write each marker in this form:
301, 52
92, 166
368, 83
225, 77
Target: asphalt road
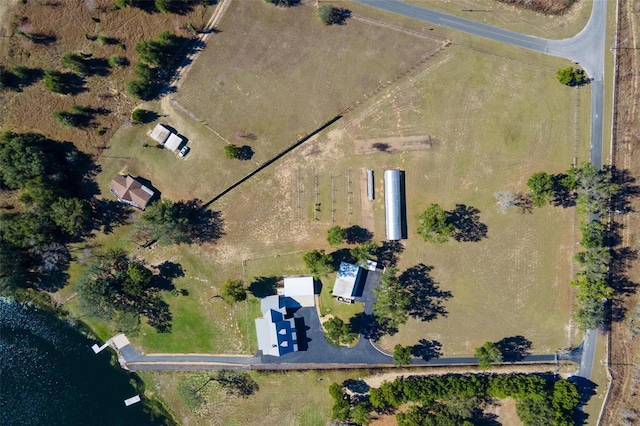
587, 48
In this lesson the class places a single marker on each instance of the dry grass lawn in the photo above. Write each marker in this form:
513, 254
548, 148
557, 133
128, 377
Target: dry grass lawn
279, 73
517, 18
31, 109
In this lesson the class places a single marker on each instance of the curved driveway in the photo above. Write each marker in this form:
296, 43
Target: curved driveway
586, 48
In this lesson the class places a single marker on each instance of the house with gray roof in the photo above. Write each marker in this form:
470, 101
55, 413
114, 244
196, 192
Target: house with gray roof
276, 330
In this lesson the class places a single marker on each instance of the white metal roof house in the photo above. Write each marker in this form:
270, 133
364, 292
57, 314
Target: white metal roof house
277, 334
348, 281
300, 290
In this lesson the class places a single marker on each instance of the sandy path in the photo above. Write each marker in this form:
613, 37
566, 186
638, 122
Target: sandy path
5, 7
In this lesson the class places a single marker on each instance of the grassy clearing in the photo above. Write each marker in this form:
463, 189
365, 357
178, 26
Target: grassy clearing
279, 73
513, 18
294, 398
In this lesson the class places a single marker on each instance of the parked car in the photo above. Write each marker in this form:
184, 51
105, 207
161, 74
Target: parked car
184, 151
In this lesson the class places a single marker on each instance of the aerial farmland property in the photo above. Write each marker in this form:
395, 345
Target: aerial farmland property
276, 129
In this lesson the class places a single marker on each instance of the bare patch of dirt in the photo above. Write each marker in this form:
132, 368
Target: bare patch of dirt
394, 144
505, 410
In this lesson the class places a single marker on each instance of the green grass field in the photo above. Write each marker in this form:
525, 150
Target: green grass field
291, 399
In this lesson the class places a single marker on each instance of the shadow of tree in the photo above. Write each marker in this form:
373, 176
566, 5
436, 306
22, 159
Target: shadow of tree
427, 298
167, 272
427, 349
514, 348
204, 225
342, 255
358, 235
262, 287
245, 153
587, 389
628, 189
388, 252
371, 327
562, 196
466, 219
109, 214
157, 312
622, 259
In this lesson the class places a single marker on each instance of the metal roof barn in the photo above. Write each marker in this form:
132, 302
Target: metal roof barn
392, 204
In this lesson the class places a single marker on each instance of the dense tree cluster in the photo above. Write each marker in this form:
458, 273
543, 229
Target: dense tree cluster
319, 263
118, 289
487, 354
51, 212
174, 223
591, 281
330, 15
233, 291
435, 226
462, 224
338, 332
336, 235
346, 408
156, 55
393, 302
453, 399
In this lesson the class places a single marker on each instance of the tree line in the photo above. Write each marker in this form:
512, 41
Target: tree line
591, 189
454, 399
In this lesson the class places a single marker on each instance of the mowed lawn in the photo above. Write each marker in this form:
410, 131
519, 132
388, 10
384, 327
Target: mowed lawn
279, 73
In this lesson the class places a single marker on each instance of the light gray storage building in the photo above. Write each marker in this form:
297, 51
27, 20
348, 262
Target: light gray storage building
393, 204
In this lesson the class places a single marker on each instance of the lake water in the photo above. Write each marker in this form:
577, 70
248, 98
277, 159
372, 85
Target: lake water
50, 376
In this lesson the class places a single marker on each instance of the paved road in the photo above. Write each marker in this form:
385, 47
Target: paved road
586, 48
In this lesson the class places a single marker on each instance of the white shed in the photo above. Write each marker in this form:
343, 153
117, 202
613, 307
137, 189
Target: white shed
301, 290
173, 143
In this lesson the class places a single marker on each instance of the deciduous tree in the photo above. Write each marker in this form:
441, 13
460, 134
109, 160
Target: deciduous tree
233, 291
434, 225
336, 235
318, 263
487, 354
401, 355
392, 304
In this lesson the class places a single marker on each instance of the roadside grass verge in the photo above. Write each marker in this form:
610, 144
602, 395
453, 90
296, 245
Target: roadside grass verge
516, 18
